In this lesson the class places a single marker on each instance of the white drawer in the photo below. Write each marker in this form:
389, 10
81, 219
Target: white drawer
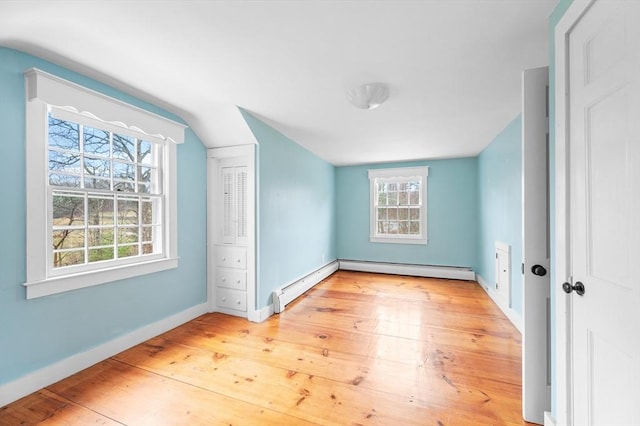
232, 299
231, 257
231, 278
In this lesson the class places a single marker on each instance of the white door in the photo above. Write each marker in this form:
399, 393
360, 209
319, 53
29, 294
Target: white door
536, 381
604, 212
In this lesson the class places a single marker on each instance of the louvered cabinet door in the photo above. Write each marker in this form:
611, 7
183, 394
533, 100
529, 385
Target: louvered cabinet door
234, 205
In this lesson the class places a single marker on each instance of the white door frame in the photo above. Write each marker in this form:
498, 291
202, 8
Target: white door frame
214, 155
563, 394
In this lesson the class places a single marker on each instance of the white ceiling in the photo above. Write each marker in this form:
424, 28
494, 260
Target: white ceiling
453, 66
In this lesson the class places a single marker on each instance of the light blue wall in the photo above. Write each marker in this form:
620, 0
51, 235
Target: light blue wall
558, 12
296, 210
36, 333
452, 223
500, 206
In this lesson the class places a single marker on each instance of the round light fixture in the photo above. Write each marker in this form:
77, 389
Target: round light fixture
368, 96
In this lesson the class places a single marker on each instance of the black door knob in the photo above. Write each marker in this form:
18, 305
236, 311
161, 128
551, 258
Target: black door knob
539, 270
578, 287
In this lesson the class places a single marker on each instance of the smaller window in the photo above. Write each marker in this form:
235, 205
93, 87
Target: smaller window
398, 205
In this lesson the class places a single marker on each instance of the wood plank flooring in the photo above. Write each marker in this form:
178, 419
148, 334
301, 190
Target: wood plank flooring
358, 349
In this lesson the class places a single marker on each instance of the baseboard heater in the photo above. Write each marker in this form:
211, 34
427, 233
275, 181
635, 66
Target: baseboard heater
432, 271
285, 295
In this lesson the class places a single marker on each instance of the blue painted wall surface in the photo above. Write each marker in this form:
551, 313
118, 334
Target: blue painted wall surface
296, 210
452, 222
555, 17
36, 333
500, 205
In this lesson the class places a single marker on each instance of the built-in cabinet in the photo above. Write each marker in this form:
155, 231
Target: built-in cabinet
232, 230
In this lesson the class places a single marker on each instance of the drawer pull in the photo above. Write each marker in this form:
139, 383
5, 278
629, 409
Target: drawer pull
238, 281
224, 299
224, 259
238, 260
224, 279
238, 302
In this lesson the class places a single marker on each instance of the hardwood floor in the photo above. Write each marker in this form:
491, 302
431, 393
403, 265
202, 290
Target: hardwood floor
358, 349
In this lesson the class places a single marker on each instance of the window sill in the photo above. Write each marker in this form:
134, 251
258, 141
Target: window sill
398, 240
65, 283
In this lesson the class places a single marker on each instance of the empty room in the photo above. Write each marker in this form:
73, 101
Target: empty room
320, 212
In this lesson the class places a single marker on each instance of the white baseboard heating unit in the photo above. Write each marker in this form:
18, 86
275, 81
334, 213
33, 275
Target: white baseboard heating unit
433, 271
285, 295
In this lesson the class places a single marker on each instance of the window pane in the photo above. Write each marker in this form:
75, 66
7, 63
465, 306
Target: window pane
99, 254
127, 211
146, 174
97, 183
128, 251
392, 213
392, 187
403, 227
393, 228
145, 152
64, 134
392, 198
383, 227
403, 198
96, 142
127, 235
100, 210
147, 234
68, 238
96, 167
124, 171
100, 237
414, 198
124, 147
382, 198
124, 186
414, 227
68, 210
68, 258
147, 249
147, 212
382, 214
71, 181
403, 213
144, 188
414, 213
64, 162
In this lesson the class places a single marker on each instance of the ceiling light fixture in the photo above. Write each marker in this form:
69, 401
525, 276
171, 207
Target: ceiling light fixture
368, 96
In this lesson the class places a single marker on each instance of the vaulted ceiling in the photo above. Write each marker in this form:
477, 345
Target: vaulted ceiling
453, 66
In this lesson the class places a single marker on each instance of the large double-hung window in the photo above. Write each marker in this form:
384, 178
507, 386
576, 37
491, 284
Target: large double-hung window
106, 196
101, 180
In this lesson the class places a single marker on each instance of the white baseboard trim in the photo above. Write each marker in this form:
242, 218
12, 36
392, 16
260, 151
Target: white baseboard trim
513, 316
285, 295
450, 272
45, 376
260, 314
548, 419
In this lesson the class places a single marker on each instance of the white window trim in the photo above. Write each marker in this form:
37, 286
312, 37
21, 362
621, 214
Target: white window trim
44, 90
398, 173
